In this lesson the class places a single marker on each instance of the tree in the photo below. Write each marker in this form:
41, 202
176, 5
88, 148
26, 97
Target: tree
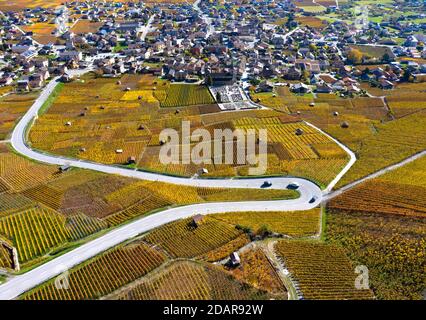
355, 56
406, 76
209, 80
386, 57
218, 97
264, 231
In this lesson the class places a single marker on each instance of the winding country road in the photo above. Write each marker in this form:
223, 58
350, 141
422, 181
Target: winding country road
19, 284
22, 283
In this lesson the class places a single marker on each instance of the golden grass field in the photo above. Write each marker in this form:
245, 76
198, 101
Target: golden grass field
42, 32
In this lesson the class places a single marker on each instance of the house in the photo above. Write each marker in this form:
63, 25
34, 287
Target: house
300, 88
5, 81
23, 85
385, 84
36, 80
324, 88
265, 86
222, 78
28, 55
292, 73
70, 55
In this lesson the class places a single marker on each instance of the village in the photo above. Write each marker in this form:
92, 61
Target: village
239, 43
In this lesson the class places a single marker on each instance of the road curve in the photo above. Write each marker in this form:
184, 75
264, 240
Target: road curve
22, 283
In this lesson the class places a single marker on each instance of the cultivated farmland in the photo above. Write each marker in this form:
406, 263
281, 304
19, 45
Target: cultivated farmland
382, 224
179, 95
125, 115
103, 274
295, 224
183, 239
191, 280
322, 271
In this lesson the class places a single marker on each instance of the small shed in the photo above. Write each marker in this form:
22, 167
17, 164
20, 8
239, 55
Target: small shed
119, 151
64, 168
131, 160
299, 132
203, 171
345, 125
235, 259
197, 220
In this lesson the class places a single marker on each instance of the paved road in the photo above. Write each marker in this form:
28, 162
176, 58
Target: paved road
374, 175
147, 27
207, 19
22, 283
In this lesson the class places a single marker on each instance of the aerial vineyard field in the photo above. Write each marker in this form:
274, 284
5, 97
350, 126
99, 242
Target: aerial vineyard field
107, 115
381, 223
391, 246
43, 32
12, 107
194, 281
183, 239
256, 270
224, 251
103, 274
34, 232
20, 174
322, 271
407, 98
392, 142
295, 224
179, 95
